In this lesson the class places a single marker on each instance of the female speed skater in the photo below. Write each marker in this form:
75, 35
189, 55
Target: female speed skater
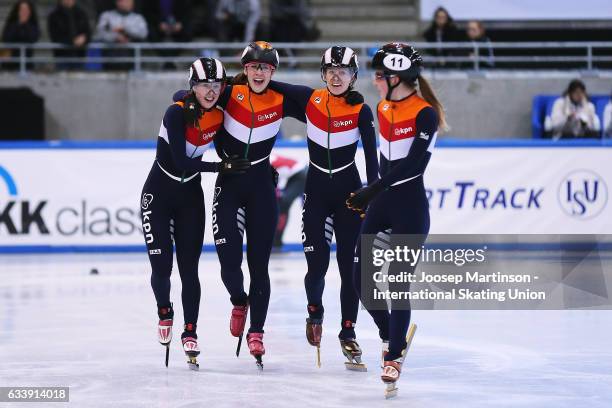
172, 197
336, 119
408, 129
247, 202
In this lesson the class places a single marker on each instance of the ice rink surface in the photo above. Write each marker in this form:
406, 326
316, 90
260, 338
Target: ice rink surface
62, 326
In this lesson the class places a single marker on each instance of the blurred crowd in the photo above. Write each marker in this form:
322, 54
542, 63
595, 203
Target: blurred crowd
118, 22
443, 29
126, 21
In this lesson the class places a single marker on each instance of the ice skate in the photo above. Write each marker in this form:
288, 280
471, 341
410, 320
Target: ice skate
314, 332
189, 339
352, 351
393, 368
256, 347
164, 328
237, 323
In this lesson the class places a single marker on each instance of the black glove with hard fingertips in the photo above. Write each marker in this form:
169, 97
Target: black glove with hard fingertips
360, 199
234, 165
353, 98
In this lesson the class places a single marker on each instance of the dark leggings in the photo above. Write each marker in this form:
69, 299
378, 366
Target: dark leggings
325, 212
246, 202
167, 205
402, 209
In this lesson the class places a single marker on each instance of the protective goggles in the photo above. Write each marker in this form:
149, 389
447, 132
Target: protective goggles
256, 66
209, 86
340, 72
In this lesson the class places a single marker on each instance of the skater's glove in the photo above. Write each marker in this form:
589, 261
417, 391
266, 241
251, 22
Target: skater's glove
360, 199
353, 98
233, 165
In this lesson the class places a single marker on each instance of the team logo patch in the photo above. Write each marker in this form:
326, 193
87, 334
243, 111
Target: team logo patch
424, 135
317, 99
220, 241
386, 107
309, 249
146, 200
155, 252
240, 97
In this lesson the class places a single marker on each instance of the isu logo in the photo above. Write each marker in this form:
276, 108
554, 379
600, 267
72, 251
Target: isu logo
267, 116
240, 97
403, 131
583, 194
317, 99
342, 123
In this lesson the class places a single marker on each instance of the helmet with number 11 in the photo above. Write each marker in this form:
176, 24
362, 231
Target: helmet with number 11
398, 60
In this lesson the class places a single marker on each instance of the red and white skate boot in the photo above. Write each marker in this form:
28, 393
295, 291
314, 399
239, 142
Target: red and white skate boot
238, 320
256, 347
164, 327
189, 338
392, 369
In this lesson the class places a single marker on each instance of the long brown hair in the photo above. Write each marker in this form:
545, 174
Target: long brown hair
429, 95
240, 79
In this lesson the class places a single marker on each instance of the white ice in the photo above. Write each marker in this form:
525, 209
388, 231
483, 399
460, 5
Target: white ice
61, 326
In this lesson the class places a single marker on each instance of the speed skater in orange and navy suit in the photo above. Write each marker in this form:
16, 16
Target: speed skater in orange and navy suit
172, 204
397, 203
336, 119
246, 203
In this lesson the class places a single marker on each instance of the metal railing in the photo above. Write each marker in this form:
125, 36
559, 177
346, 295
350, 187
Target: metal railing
458, 55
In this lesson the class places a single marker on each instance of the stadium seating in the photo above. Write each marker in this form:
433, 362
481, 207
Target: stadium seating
542, 109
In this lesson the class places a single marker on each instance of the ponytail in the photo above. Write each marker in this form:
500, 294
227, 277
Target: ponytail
239, 79
428, 94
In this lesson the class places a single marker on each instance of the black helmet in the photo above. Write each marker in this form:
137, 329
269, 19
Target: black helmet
338, 56
398, 59
206, 70
260, 51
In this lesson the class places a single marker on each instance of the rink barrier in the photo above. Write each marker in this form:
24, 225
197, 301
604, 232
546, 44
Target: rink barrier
509, 247
447, 142
443, 142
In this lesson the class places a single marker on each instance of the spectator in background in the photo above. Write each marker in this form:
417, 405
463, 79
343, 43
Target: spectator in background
169, 21
291, 21
21, 27
237, 20
121, 26
476, 34
441, 30
105, 5
607, 117
573, 116
68, 24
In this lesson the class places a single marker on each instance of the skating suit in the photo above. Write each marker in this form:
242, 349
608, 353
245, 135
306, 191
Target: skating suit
334, 129
247, 202
408, 131
172, 204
